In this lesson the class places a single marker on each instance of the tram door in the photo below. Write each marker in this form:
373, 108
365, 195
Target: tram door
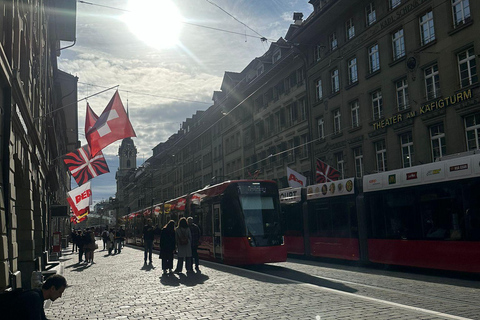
217, 234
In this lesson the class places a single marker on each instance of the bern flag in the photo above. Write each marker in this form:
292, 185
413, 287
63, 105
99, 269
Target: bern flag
325, 173
83, 166
80, 199
112, 125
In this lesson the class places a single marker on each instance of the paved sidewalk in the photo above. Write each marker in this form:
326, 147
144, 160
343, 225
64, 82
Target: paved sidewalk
121, 287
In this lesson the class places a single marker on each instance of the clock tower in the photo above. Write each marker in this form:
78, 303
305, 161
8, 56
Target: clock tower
127, 155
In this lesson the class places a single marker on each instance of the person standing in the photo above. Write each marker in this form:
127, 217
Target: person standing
73, 237
119, 235
111, 240
80, 245
148, 237
183, 238
196, 233
167, 246
105, 238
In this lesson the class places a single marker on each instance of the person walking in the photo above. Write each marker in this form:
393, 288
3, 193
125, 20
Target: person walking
119, 235
167, 246
183, 238
92, 244
73, 238
111, 240
196, 233
148, 237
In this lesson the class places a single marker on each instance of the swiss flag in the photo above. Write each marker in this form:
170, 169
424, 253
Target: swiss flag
90, 119
112, 125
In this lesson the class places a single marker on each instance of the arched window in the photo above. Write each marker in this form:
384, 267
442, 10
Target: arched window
128, 163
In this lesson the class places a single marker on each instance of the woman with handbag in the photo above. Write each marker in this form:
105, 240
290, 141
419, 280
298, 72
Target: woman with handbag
167, 246
91, 245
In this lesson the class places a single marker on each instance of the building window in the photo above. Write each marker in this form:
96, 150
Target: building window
373, 58
335, 81
461, 11
370, 14
395, 3
406, 141
321, 128
340, 164
337, 121
304, 146
467, 66
276, 56
437, 138
303, 109
432, 82
377, 104
381, 155
352, 71
355, 107
402, 94
358, 155
350, 29
398, 44
333, 41
427, 32
317, 51
472, 130
318, 90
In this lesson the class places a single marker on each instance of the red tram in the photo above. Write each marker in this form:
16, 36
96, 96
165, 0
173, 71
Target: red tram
240, 221
426, 216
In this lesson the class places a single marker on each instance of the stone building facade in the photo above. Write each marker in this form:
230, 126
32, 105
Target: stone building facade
364, 85
38, 124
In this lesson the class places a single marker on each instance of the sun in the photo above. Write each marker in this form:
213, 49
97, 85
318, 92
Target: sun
156, 22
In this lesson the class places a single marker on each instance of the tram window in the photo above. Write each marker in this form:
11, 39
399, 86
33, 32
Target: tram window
261, 217
332, 218
471, 218
231, 220
292, 219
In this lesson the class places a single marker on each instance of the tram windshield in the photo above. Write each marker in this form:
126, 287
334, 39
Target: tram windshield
261, 217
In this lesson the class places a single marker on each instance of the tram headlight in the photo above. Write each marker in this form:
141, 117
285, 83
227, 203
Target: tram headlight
251, 242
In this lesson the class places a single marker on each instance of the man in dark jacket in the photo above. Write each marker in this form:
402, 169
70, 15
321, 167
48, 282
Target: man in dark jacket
29, 305
196, 233
148, 236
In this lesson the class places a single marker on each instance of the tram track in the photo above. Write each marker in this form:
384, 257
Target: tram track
453, 299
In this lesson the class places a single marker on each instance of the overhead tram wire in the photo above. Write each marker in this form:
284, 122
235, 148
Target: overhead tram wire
148, 94
263, 39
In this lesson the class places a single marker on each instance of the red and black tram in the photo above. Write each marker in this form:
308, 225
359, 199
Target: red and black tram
426, 216
240, 221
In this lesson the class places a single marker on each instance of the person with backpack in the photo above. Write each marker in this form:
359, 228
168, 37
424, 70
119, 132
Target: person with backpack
183, 238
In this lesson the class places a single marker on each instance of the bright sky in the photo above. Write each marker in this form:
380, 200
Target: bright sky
154, 52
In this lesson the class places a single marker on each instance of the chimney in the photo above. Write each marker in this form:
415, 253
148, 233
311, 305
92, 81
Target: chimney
298, 18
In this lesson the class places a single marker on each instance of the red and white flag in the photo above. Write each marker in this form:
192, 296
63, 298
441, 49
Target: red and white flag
112, 125
83, 166
295, 179
325, 173
80, 199
90, 119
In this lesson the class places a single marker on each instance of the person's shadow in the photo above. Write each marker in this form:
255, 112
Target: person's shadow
169, 279
147, 267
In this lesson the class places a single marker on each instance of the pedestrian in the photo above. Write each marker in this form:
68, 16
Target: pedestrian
92, 244
119, 235
80, 245
29, 304
105, 238
167, 246
87, 247
73, 238
111, 240
196, 233
183, 238
148, 237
